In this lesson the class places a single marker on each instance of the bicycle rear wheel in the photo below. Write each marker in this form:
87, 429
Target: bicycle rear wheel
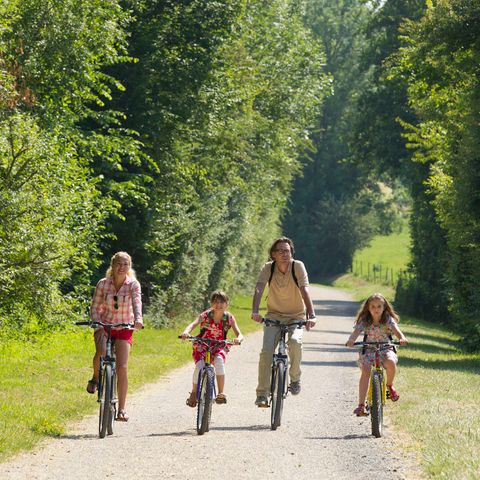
105, 414
204, 406
376, 411
277, 393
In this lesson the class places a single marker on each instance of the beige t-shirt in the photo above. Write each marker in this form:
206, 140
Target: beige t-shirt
284, 300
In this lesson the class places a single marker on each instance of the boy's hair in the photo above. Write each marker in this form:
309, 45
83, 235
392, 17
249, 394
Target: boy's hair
219, 295
365, 316
281, 240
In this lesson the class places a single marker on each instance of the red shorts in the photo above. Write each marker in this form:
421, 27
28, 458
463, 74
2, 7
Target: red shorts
122, 334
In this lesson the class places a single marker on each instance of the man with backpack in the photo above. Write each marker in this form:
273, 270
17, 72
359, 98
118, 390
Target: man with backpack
288, 300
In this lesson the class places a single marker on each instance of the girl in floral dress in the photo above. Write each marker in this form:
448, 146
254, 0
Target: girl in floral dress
214, 323
378, 320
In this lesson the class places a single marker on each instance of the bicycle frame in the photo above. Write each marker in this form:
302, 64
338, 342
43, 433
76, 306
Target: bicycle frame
108, 398
377, 386
279, 375
206, 394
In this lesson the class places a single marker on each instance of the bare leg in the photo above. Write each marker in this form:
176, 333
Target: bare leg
221, 383
100, 347
122, 349
390, 368
363, 384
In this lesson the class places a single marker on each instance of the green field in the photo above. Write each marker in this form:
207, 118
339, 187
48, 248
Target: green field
385, 258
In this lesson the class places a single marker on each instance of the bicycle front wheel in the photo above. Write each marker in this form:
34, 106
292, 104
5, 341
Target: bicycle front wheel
376, 411
105, 414
277, 393
204, 406
113, 403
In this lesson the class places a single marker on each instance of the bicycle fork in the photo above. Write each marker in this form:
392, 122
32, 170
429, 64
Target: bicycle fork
209, 366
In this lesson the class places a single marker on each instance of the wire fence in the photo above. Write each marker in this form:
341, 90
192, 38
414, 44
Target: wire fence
377, 272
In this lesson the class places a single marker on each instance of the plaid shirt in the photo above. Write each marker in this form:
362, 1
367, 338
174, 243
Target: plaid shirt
129, 302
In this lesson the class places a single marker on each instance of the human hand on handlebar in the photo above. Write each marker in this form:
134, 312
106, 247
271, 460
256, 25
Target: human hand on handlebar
257, 317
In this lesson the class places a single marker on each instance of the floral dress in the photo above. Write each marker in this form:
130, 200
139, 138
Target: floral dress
380, 332
211, 329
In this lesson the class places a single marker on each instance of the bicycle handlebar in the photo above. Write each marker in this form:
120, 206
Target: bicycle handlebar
95, 324
376, 344
277, 323
208, 340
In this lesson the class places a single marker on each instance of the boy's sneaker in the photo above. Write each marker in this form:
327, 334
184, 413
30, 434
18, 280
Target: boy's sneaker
261, 402
295, 387
392, 393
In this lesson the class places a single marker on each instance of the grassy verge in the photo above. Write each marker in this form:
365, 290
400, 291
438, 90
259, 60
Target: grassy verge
384, 258
439, 384
42, 383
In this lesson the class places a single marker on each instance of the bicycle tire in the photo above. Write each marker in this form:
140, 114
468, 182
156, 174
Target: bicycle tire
204, 406
376, 411
278, 390
105, 401
113, 408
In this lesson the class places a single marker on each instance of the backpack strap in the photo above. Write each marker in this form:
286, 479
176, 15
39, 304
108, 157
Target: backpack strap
294, 275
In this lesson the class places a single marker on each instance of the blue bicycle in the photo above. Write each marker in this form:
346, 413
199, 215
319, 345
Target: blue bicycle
206, 392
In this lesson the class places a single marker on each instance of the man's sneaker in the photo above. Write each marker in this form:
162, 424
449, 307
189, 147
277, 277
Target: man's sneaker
295, 387
261, 402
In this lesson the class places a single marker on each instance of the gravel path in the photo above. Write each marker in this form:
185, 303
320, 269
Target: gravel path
319, 437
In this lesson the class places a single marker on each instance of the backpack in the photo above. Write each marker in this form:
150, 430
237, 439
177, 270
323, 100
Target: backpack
272, 268
225, 326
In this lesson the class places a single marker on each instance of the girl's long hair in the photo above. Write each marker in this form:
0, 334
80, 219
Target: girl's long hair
119, 256
388, 311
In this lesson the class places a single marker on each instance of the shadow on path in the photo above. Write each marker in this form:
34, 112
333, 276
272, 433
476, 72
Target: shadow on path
189, 433
329, 364
344, 437
335, 308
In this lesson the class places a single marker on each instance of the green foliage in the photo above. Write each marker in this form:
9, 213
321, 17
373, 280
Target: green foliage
224, 106
440, 58
337, 204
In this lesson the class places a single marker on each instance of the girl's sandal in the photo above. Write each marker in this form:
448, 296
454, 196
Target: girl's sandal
122, 416
360, 411
393, 394
221, 398
191, 400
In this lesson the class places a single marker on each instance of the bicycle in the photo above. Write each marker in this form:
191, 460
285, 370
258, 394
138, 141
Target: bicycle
278, 384
377, 389
107, 379
206, 393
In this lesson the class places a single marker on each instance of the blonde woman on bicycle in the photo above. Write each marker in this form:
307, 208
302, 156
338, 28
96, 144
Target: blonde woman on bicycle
117, 299
378, 321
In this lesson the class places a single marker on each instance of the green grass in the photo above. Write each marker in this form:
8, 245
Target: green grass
42, 382
391, 253
437, 415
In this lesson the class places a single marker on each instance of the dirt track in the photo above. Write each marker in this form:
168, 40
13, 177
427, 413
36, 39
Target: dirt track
319, 437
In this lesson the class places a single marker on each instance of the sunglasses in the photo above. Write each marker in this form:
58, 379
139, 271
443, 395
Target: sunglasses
115, 299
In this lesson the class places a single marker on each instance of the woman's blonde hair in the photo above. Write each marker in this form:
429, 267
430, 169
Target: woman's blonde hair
364, 313
121, 256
